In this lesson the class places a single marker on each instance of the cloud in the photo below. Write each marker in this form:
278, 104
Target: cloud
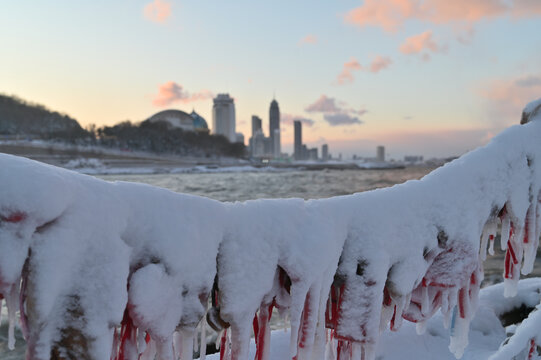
157, 11
421, 44
529, 81
288, 119
171, 92
324, 105
507, 97
341, 119
379, 63
308, 39
465, 34
391, 14
335, 112
346, 76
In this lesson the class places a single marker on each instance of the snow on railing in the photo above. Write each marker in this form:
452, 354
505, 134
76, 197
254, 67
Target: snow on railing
81, 256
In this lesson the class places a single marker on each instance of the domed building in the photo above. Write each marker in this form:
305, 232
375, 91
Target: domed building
199, 123
181, 120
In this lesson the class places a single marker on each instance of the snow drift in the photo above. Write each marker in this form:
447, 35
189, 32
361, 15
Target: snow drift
105, 270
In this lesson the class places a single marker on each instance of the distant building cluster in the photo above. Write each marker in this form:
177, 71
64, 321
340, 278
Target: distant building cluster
301, 151
262, 146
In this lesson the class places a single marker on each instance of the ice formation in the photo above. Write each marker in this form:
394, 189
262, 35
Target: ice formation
124, 271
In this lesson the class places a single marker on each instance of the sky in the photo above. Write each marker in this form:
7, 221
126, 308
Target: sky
421, 77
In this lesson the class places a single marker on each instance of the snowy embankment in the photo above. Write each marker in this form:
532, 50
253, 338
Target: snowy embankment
80, 256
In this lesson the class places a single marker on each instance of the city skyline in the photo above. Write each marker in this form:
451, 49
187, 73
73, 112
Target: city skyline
425, 78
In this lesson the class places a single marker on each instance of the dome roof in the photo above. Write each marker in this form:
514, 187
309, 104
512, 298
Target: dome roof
199, 123
175, 118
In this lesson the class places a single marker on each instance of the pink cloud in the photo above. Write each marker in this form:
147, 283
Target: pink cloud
391, 14
379, 63
346, 76
418, 43
171, 92
158, 11
308, 39
341, 119
335, 113
324, 105
505, 98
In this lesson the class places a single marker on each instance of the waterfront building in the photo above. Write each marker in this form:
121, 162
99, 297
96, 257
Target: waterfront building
297, 146
239, 137
223, 117
180, 120
256, 124
274, 124
380, 151
276, 144
324, 152
312, 154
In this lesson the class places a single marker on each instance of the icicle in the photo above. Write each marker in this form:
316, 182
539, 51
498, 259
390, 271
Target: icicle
150, 351
386, 315
484, 242
491, 245
330, 347
186, 343
399, 310
506, 228
530, 246
459, 335
218, 342
369, 351
420, 327
425, 301
356, 351
11, 303
203, 341
177, 344
141, 341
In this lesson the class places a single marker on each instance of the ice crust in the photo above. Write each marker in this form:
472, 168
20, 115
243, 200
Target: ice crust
95, 255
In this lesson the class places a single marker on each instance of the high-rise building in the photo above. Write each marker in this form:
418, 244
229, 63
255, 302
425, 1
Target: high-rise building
256, 124
380, 153
239, 138
297, 147
274, 124
276, 145
223, 117
324, 152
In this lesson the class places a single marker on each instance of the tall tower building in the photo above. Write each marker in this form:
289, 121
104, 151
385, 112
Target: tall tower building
380, 153
223, 117
325, 152
274, 124
256, 124
297, 148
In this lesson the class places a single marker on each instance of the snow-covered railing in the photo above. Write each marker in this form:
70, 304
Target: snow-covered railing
118, 270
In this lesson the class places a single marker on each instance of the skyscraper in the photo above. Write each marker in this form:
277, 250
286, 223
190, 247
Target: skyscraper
256, 124
325, 152
274, 124
297, 149
223, 117
380, 153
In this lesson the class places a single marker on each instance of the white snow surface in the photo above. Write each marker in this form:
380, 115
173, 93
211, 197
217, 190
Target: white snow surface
88, 249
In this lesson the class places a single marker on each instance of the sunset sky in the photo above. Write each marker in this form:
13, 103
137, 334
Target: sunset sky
428, 77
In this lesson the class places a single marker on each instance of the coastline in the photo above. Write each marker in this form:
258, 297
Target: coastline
103, 161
